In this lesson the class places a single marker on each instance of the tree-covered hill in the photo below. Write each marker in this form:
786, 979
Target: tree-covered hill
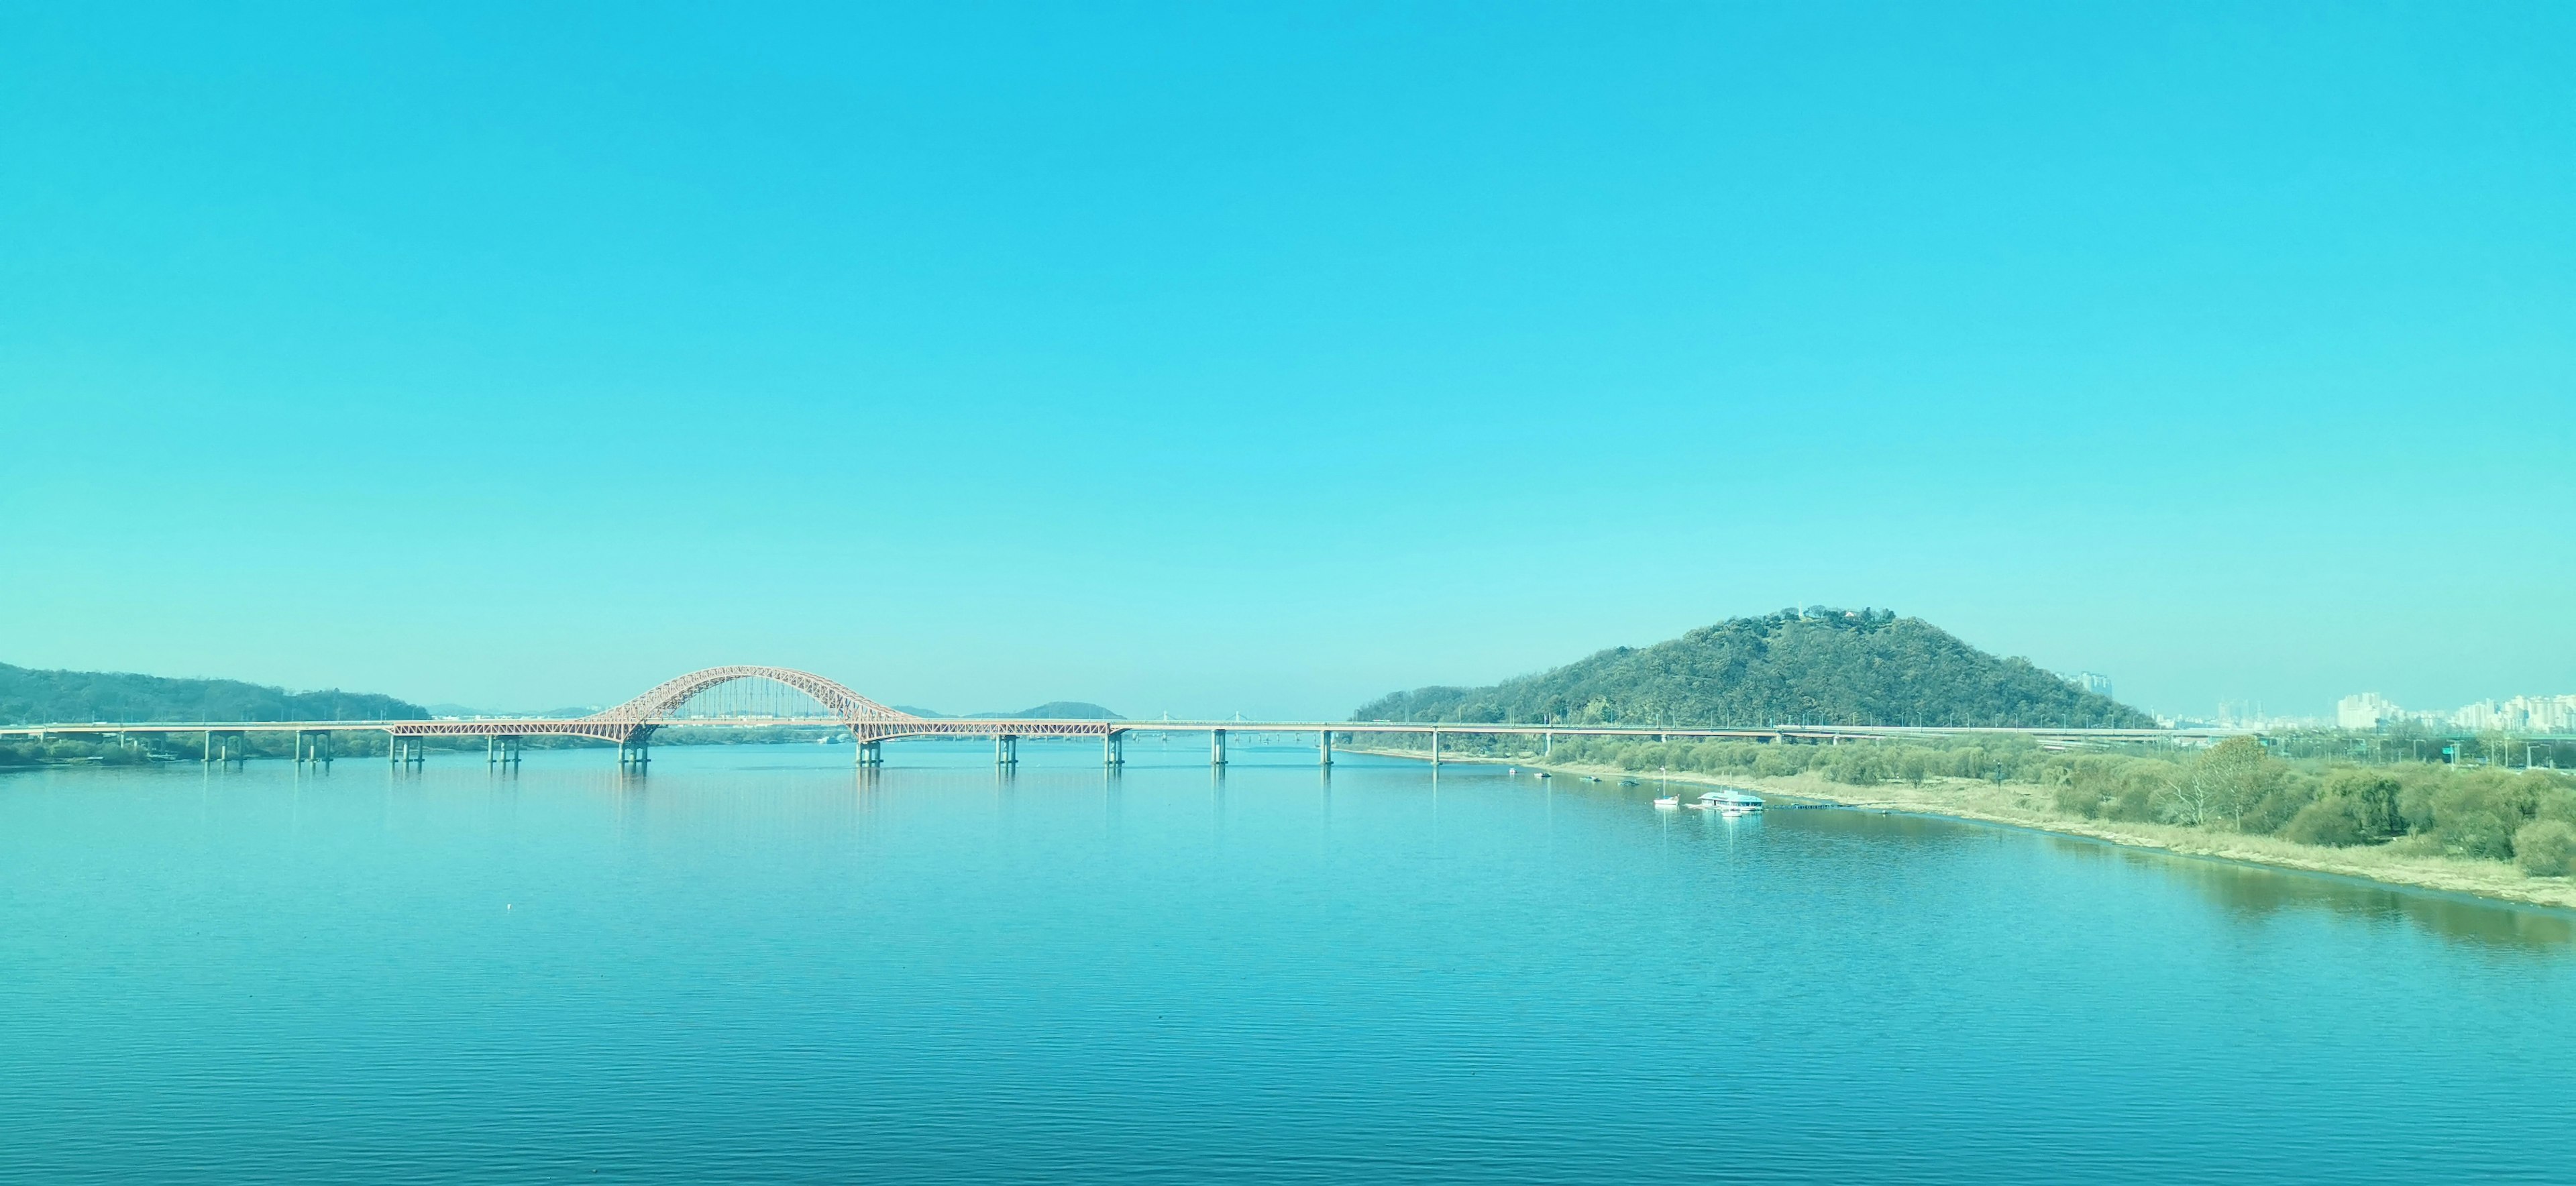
1058, 710
1052, 710
29, 696
1825, 667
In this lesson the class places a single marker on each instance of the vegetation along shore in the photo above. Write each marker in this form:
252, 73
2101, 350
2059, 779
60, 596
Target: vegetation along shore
2494, 832
2359, 805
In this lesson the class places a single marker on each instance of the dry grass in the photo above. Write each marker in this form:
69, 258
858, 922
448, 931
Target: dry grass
2028, 806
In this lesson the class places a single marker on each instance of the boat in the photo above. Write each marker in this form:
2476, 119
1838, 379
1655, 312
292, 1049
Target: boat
1591, 778
1627, 782
1669, 802
1542, 774
1732, 801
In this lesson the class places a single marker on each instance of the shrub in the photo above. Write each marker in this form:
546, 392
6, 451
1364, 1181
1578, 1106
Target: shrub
2333, 820
2546, 849
2279, 805
2476, 814
1859, 766
2374, 798
1779, 760
2478, 833
2079, 798
2135, 803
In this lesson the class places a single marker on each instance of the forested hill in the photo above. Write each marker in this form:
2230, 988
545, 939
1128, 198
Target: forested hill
1052, 710
29, 696
1059, 710
1826, 667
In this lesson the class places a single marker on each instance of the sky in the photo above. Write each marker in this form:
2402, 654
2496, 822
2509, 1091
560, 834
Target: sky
1207, 359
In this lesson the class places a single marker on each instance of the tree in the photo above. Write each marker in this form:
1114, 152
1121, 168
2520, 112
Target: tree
2545, 849
2332, 820
2220, 784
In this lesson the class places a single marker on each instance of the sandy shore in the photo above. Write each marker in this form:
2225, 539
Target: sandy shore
2024, 806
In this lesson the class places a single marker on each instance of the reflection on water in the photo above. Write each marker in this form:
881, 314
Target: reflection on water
2253, 890
756, 964
2257, 891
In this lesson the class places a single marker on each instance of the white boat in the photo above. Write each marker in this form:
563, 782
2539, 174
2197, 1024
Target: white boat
1669, 802
1732, 802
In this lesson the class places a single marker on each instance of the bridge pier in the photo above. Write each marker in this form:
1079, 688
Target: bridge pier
313, 746
634, 753
1113, 748
502, 749
871, 753
1324, 749
1435, 747
227, 747
1006, 750
1216, 747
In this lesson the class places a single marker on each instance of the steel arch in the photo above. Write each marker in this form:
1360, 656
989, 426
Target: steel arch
656, 706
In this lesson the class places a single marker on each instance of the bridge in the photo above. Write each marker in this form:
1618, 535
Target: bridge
785, 697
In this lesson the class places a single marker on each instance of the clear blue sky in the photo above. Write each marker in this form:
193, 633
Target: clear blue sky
1209, 358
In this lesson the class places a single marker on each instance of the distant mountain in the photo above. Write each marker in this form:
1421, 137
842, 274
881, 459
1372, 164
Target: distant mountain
30, 696
1059, 710
551, 714
1823, 666
1052, 710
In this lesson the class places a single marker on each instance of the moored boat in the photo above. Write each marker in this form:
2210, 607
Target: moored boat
1731, 801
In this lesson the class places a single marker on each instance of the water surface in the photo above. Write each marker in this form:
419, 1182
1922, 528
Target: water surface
756, 964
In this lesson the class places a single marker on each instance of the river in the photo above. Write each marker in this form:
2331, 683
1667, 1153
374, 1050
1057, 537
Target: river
756, 964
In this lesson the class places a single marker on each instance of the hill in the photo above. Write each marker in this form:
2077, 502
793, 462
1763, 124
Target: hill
1837, 667
30, 696
1052, 710
1059, 710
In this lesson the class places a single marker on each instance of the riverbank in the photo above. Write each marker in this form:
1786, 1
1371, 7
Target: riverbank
2025, 806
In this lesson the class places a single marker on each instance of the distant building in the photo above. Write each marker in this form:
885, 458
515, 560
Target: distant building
2240, 714
2522, 714
2368, 710
2099, 685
